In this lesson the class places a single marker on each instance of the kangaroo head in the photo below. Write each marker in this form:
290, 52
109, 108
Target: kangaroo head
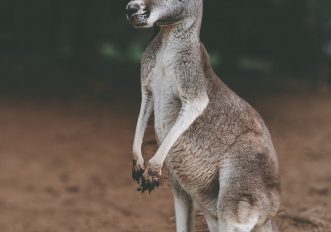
147, 13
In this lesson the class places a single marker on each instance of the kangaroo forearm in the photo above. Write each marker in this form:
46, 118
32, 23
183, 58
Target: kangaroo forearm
188, 114
145, 112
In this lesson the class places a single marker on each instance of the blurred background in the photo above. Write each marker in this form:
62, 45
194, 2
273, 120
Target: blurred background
69, 101
72, 45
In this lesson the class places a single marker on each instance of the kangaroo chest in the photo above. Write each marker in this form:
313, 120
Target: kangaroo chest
165, 93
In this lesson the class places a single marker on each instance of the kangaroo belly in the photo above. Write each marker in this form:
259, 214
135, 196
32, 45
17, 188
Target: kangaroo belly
166, 112
166, 101
192, 166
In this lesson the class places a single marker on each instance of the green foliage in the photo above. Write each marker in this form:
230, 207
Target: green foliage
110, 51
215, 59
290, 33
256, 64
135, 51
131, 53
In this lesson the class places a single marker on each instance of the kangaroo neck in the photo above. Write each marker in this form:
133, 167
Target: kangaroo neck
181, 33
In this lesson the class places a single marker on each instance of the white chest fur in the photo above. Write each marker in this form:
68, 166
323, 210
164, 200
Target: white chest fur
165, 92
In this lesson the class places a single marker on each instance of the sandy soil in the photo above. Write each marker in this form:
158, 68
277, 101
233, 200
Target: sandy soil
66, 167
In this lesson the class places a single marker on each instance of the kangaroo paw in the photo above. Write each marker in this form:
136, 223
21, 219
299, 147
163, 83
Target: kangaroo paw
150, 181
137, 171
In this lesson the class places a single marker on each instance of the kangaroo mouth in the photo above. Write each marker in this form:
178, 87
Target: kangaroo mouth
139, 19
146, 14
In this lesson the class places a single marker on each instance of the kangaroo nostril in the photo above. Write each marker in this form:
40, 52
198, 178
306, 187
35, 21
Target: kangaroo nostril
132, 9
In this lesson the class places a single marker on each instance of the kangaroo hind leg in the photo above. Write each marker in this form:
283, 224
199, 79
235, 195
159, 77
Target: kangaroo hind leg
268, 226
185, 216
212, 223
238, 217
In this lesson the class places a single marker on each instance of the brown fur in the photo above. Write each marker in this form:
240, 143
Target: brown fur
222, 162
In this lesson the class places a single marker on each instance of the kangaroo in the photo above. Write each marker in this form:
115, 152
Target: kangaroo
217, 149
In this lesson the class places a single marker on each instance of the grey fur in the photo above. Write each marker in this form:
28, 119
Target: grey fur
219, 153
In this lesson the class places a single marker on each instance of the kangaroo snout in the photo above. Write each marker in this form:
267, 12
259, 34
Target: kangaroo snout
132, 8
137, 14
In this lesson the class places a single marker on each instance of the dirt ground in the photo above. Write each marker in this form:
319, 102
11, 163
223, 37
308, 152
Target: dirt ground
66, 166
